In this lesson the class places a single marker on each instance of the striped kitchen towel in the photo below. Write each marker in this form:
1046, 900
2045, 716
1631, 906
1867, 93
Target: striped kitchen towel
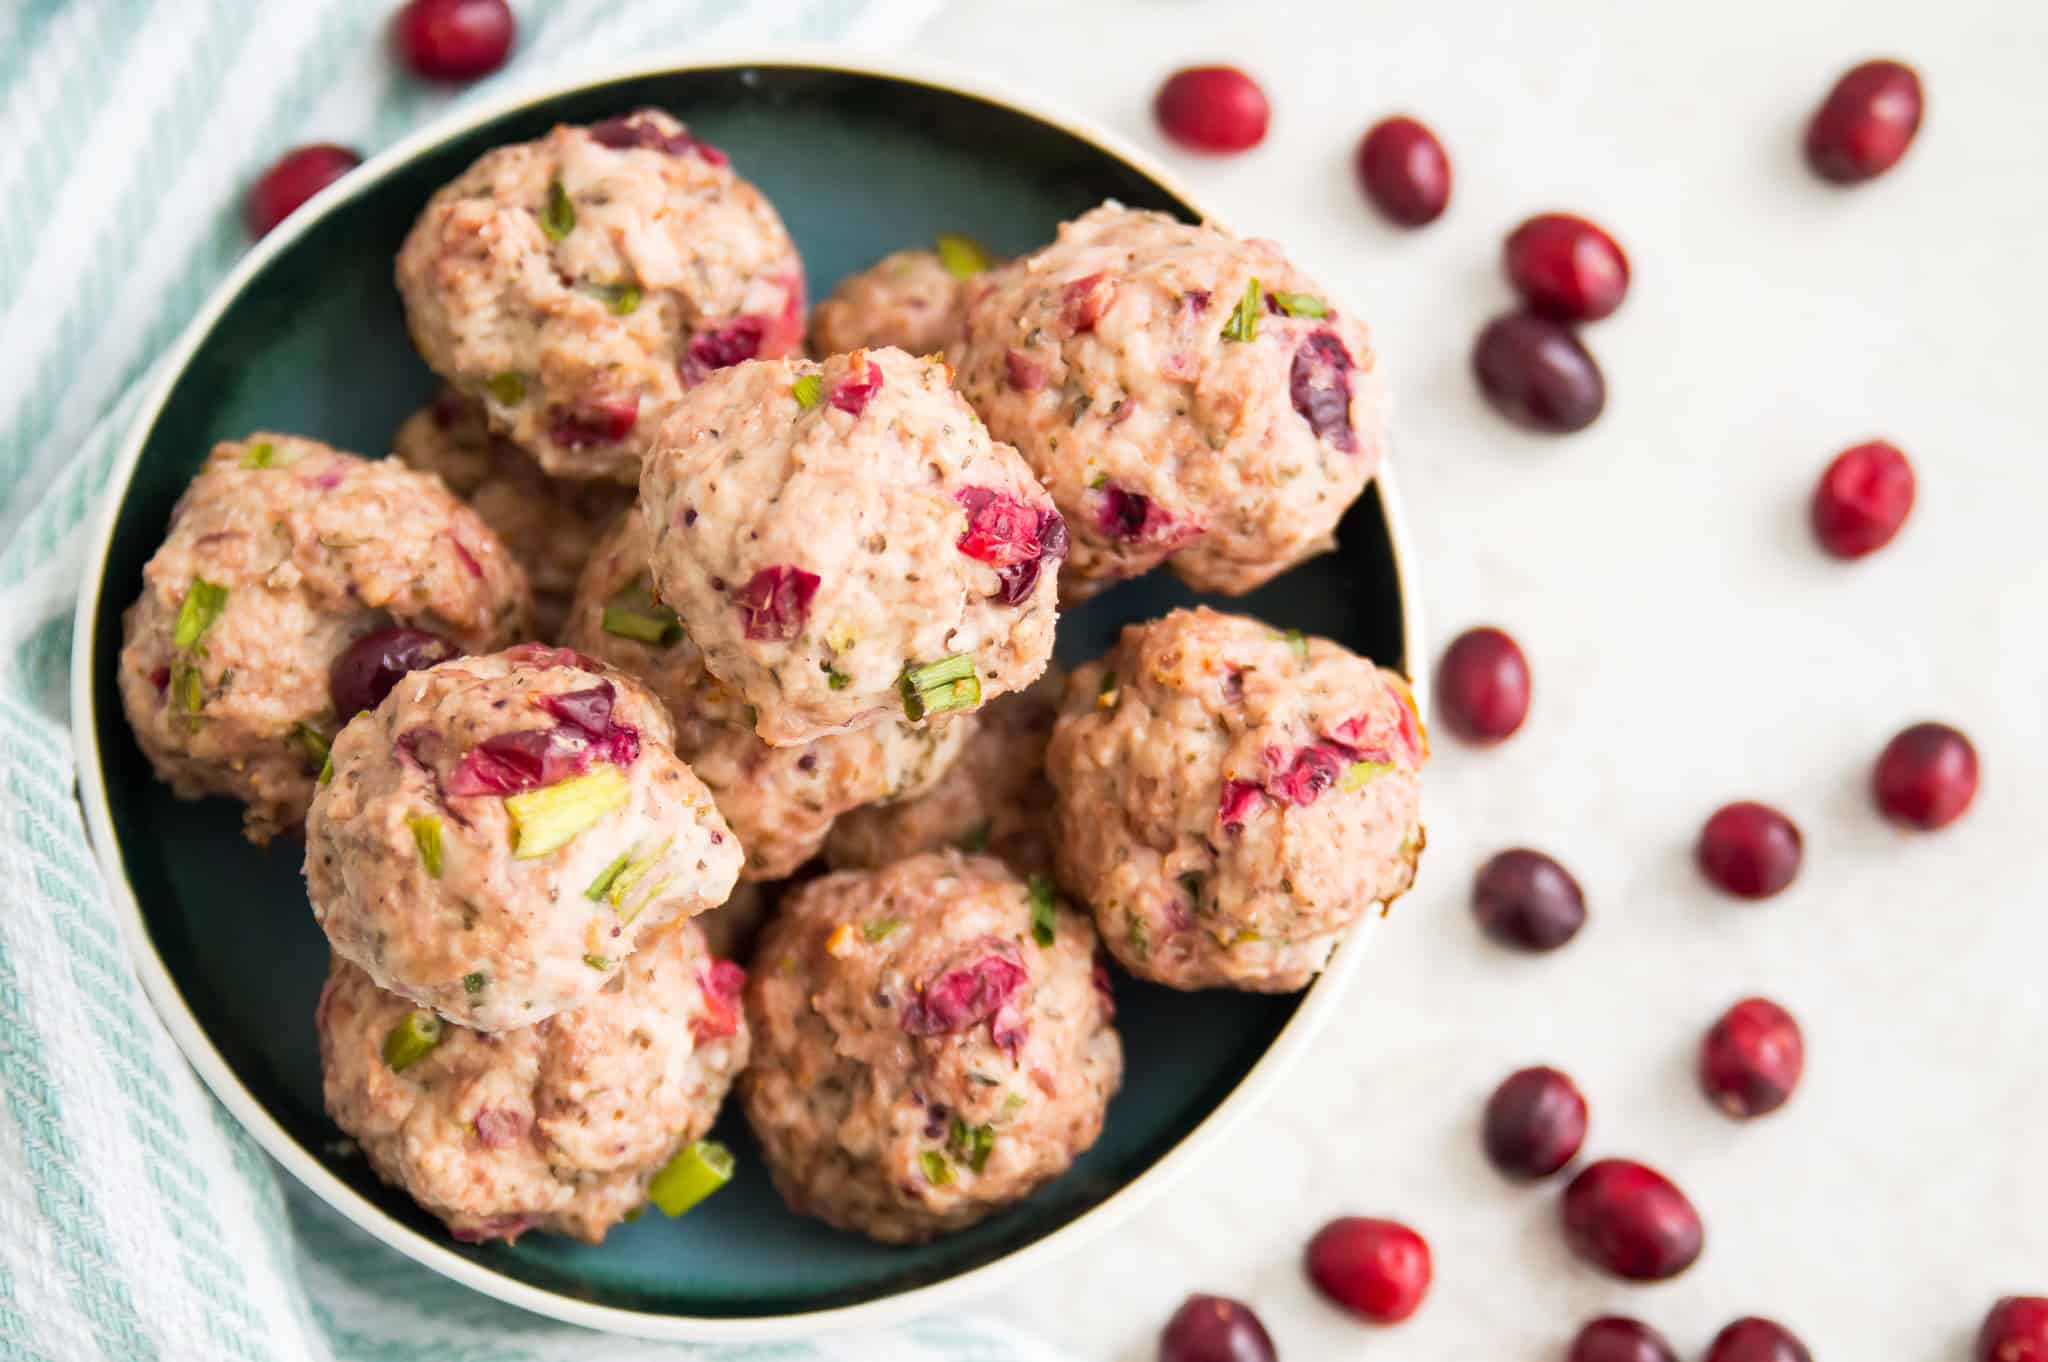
137, 1222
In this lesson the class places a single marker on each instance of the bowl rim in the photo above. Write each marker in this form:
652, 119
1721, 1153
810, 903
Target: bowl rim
1317, 1006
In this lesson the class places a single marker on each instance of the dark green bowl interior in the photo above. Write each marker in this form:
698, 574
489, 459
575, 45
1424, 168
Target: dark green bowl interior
859, 165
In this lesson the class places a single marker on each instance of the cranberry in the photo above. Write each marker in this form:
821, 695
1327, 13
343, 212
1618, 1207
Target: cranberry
1404, 171
1537, 374
1616, 1338
1751, 1058
1212, 108
2016, 1330
293, 178
368, 668
1749, 849
639, 130
1484, 685
1926, 776
1525, 899
1215, 1329
1866, 123
1566, 267
721, 348
453, 39
851, 393
1377, 1269
1240, 800
596, 421
1631, 1220
1756, 1340
1535, 1123
1084, 300
1862, 499
776, 602
961, 997
1319, 384
721, 984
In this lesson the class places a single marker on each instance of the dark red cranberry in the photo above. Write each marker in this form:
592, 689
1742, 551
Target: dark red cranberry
720, 348
1404, 171
1215, 1329
453, 39
1084, 300
1751, 1058
1756, 1340
1319, 384
776, 601
2016, 1330
1866, 123
1862, 499
1631, 1220
1926, 776
368, 668
1212, 108
851, 393
1377, 1269
1749, 849
1566, 267
1483, 685
293, 178
1535, 1123
1525, 899
1617, 1338
1536, 373
596, 421
640, 130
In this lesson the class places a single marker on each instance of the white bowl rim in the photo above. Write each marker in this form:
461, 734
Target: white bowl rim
1318, 1004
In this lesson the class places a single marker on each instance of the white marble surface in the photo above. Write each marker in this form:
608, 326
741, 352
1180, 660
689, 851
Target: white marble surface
1690, 645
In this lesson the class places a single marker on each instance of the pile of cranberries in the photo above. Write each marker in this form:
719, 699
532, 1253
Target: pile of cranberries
1621, 1216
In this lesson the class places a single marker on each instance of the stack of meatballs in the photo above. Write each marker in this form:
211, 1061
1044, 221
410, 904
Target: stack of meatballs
650, 612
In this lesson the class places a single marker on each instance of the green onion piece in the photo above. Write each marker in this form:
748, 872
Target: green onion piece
693, 1174
972, 1144
595, 893
654, 891
507, 389
558, 219
625, 879
658, 627
202, 605
597, 962
260, 455
836, 679
1360, 774
426, 835
948, 684
312, 743
974, 841
808, 391
1302, 305
880, 928
327, 769
936, 1170
412, 1040
553, 815
1139, 940
1044, 926
473, 984
1297, 641
1097, 481
963, 256
188, 688
1244, 321
1014, 1102
622, 299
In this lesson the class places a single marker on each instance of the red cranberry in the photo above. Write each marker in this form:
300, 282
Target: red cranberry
1404, 171
1866, 123
1862, 499
1377, 1269
1749, 849
1483, 685
453, 39
293, 178
1756, 1340
1537, 374
368, 668
1926, 776
1631, 1220
1566, 267
1212, 108
2016, 1330
1215, 1329
1525, 899
1535, 1123
1616, 1338
1751, 1058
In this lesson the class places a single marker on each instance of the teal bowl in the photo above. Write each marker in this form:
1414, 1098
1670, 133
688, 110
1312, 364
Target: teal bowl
308, 336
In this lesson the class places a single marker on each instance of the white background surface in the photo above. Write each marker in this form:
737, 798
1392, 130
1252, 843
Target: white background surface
1690, 645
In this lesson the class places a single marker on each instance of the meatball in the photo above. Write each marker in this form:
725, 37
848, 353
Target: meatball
781, 801
994, 799
281, 554
913, 300
577, 285
549, 524
1185, 396
932, 1042
502, 832
1230, 798
847, 546
557, 1127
